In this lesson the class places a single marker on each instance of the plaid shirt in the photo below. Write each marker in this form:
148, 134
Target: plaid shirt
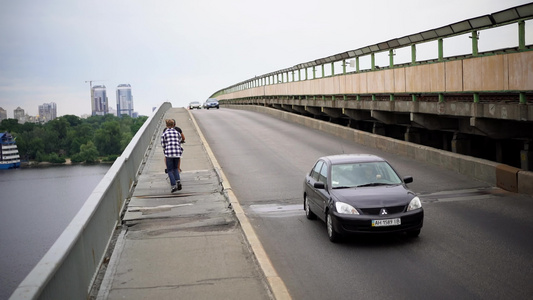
171, 142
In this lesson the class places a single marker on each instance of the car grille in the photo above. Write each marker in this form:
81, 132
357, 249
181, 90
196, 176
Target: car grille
390, 210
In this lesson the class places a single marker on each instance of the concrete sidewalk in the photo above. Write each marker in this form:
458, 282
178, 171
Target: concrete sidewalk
183, 245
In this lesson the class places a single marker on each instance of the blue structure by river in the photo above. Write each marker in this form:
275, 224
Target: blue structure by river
36, 205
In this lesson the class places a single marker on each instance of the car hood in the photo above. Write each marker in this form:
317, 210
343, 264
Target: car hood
375, 196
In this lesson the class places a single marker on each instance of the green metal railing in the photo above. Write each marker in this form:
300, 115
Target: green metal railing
518, 15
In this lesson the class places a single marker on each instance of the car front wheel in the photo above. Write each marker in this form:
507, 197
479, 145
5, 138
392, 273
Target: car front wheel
333, 235
308, 213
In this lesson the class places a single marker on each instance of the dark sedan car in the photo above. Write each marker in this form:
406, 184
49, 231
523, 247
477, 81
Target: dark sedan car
211, 103
361, 193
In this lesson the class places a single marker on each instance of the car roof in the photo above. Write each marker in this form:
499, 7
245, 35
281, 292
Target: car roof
351, 158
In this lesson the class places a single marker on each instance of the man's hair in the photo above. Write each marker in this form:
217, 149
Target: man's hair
170, 122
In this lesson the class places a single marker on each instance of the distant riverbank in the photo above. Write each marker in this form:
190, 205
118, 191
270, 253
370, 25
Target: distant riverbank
68, 162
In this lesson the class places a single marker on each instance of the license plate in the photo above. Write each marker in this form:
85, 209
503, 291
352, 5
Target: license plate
386, 222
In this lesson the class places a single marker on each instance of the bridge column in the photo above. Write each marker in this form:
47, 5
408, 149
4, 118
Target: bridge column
461, 144
441, 49
526, 157
412, 135
474, 38
413, 54
522, 35
378, 128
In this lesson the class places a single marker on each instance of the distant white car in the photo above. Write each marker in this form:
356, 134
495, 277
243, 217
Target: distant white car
195, 104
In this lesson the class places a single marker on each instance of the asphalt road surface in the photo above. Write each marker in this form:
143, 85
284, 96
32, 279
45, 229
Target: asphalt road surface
476, 243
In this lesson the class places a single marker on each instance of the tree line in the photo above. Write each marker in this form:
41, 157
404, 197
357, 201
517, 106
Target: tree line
82, 140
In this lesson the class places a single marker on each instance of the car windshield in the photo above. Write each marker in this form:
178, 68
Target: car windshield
351, 175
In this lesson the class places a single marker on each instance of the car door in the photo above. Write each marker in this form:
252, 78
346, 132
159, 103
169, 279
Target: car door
311, 191
322, 195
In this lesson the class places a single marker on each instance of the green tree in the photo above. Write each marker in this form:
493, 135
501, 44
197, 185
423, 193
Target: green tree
125, 140
138, 123
54, 158
88, 153
72, 120
107, 139
59, 125
40, 156
10, 125
67, 134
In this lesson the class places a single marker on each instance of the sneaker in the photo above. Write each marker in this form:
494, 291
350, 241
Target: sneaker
174, 188
179, 185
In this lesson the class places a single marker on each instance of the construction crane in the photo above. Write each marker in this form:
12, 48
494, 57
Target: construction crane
92, 95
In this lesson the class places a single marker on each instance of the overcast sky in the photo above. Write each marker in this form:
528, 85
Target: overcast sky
185, 50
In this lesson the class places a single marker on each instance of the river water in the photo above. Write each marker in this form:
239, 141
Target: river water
36, 205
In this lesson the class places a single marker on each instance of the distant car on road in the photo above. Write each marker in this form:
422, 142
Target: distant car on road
211, 103
195, 104
361, 193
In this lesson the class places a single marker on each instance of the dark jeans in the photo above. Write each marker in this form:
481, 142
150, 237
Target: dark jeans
172, 169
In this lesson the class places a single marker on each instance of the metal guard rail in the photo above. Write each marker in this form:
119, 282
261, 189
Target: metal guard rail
504, 17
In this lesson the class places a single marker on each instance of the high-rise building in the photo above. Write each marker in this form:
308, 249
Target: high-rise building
124, 100
19, 115
47, 111
3, 114
99, 105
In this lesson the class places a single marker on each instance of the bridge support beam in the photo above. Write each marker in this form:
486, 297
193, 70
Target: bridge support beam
500, 129
300, 109
389, 117
432, 123
316, 111
378, 129
333, 112
461, 144
413, 135
526, 156
287, 107
358, 115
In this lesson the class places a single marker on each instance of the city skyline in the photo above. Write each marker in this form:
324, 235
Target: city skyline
99, 105
47, 112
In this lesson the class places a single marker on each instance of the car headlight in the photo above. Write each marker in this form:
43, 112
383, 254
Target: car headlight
414, 204
343, 208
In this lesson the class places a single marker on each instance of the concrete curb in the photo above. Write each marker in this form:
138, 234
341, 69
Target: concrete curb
276, 284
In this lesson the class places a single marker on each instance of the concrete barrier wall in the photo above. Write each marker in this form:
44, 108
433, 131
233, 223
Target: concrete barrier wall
68, 269
487, 171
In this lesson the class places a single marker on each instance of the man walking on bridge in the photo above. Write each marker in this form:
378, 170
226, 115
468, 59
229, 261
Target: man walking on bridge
171, 143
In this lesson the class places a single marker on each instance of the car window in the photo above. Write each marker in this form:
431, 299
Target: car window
358, 174
323, 177
316, 170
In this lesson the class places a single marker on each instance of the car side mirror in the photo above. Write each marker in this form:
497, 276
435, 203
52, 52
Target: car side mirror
319, 185
408, 179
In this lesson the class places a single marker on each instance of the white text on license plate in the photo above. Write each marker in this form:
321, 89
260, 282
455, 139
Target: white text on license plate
386, 222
